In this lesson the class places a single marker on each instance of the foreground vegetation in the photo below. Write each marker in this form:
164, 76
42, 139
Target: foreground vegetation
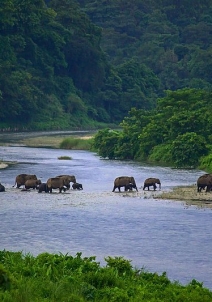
57, 277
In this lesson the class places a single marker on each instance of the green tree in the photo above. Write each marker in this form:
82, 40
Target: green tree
105, 142
187, 149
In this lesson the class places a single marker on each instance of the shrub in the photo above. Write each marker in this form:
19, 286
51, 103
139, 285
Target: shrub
76, 143
65, 158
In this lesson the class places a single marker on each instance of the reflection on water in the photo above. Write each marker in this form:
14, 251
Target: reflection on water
156, 234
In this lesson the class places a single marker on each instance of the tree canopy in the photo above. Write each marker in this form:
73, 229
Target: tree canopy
176, 132
66, 63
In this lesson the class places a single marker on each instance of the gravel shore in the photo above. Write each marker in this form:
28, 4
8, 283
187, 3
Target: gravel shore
189, 195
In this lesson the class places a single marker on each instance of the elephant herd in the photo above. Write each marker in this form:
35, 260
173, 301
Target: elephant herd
128, 182
61, 182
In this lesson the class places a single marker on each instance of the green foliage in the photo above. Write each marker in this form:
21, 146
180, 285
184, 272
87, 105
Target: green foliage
170, 38
205, 163
76, 143
65, 157
5, 278
177, 132
187, 149
58, 277
105, 143
73, 63
161, 154
121, 265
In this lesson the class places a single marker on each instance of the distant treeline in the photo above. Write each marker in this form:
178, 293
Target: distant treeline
81, 63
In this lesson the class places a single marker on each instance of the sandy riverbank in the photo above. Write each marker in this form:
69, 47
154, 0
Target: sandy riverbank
189, 195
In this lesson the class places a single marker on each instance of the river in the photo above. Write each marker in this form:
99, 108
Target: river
158, 235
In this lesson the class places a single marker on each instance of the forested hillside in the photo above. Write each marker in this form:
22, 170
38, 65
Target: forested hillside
172, 38
76, 63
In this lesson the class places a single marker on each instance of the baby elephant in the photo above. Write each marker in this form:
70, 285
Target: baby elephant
32, 183
43, 188
152, 182
77, 186
2, 188
129, 187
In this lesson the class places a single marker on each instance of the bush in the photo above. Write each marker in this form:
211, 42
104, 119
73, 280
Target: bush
206, 163
65, 158
187, 149
161, 154
76, 143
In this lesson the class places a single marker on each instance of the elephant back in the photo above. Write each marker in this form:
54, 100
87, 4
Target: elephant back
68, 178
205, 179
152, 180
32, 182
22, 178
55, 182
124, 181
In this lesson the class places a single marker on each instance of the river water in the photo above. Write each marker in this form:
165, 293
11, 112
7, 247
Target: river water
158, 235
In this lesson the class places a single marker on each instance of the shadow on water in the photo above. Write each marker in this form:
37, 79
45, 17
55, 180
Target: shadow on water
159, 235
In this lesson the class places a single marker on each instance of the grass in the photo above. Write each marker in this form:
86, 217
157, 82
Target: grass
72, 143
57, 278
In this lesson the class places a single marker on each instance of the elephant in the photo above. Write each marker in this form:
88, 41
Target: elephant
32, 183
22, 178
68, 179
77, 186
2, 188
43, 187
57, 183
129, 187
204, 181
124, 181
152, 182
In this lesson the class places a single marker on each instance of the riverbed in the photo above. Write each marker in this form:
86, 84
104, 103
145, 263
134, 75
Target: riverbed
158, 235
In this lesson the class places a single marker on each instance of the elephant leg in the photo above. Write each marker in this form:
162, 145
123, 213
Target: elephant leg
208, 188
154, 185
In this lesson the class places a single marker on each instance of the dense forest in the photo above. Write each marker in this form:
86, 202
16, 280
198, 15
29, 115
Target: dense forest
75, 64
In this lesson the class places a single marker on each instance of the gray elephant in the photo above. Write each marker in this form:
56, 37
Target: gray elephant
57, 183
124, 181
22, 178
2, 188
68, 179
77, 186
129, 187
204, 181
32, 184
151, 182
43, 188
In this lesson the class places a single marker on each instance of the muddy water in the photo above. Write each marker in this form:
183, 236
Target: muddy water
159, 235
